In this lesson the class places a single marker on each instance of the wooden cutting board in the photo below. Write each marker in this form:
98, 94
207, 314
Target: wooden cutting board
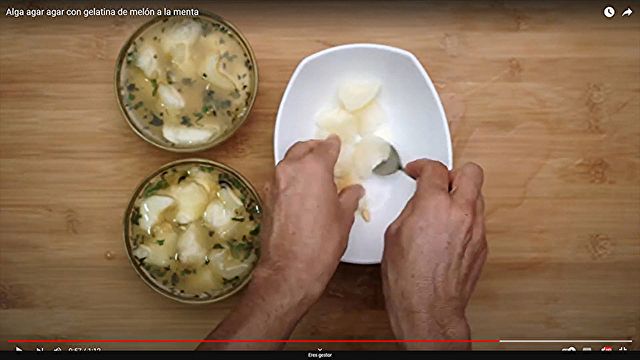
546, 97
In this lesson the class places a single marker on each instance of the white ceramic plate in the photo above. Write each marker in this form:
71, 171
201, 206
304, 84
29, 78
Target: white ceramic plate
417, 125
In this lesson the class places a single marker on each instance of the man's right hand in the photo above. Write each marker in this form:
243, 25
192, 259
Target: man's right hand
434, 253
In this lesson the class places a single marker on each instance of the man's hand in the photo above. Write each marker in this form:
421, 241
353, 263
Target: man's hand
434, 253
305, 232
309, 221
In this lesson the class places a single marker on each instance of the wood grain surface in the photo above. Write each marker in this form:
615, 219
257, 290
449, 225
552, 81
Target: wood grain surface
544, 95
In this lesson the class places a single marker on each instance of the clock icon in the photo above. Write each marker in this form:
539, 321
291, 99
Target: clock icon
609, 11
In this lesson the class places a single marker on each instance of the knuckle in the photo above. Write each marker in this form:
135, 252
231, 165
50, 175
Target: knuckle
293, 149
281, 167
474, 170
438, 166
435, 168
283, 171
297, 144
315, 155
392, 230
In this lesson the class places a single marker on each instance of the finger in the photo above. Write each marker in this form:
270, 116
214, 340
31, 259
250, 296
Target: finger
414, 169
466, 183
477, 239
430, 175
349, 198
476, 250
300, 148
328, 149
476, 271
478, 230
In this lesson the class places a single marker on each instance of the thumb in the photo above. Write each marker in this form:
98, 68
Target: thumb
349, 198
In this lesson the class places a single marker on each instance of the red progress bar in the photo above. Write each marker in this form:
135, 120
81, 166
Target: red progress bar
249, 341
